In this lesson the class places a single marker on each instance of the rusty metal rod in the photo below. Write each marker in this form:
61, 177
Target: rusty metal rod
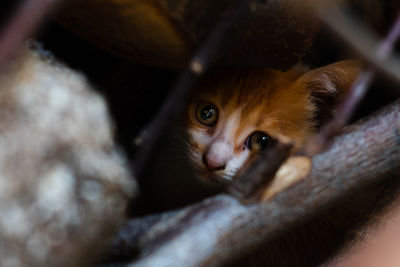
252, 180
360, 86
363, 41
175, 101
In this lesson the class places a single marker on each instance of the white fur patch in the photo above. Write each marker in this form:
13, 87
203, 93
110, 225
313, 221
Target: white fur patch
220, 146
236, 163
219, 153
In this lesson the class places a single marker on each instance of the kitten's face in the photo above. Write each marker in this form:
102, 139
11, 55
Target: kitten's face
234, 114
232, 119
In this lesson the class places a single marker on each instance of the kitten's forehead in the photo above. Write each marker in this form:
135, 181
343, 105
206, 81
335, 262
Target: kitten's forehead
245, 88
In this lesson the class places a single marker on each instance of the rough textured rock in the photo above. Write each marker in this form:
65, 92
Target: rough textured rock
63, 182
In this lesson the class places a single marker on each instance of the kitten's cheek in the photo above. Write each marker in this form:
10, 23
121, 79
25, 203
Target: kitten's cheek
195, 157
198, 137
237, 163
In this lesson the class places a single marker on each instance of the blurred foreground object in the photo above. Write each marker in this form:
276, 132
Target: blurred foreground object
358, 173
63, 184
166, 32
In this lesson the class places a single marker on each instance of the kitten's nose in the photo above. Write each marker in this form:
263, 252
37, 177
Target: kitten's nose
213, 165
217, 156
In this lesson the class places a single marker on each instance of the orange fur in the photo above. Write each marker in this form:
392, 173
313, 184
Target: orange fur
281, 104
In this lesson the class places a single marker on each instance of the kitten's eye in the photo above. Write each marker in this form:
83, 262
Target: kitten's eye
206, 114
257, 141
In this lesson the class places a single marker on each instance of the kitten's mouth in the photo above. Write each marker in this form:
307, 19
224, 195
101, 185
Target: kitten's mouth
215, 177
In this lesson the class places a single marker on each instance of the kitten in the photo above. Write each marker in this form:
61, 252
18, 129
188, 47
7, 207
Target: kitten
234, 114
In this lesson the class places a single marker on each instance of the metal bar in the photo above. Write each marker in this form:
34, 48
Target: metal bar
175, 101
342, 24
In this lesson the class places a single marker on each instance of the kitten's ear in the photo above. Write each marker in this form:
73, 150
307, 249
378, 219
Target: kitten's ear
328, 85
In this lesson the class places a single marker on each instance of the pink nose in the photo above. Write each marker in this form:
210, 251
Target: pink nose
217, 156
213, 165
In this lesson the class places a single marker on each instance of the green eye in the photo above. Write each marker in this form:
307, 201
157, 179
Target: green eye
206, 114
257, 141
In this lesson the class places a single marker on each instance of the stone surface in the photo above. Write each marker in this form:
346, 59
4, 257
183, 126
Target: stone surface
63, 182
